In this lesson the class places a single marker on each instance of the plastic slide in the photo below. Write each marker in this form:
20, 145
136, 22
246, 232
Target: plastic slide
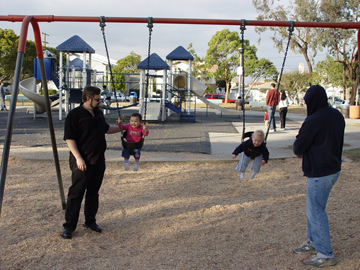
198, 88
27, 88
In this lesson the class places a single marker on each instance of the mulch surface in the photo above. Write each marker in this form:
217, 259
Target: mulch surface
189, 215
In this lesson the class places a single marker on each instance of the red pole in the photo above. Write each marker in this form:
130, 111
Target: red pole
52, 18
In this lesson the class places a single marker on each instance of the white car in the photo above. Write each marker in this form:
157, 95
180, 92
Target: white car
120, 97
335, 102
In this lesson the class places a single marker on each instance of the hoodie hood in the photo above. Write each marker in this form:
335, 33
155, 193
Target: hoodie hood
315, 99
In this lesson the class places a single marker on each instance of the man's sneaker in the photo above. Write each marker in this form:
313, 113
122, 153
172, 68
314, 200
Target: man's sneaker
320, 262
136, 167
306, 247
272, 130
242, 175
126, 166
253, 175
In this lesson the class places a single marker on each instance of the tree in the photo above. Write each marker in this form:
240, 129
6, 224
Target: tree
295, 83
8, 53
127, 64
258, 69
329, 72
303, 40
224, 52
342, 43
198, 69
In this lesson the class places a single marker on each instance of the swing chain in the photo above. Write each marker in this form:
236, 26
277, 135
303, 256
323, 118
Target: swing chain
243, 28
150, 26
272, 117
291, 30
291, 27
102, 25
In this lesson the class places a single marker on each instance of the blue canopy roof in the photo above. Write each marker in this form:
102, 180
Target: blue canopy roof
75, 44
156, 63
76, 64
179, 54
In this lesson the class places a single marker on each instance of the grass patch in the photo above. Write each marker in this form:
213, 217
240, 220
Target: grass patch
353, 154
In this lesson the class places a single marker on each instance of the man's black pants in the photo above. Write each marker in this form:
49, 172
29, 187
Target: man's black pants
88, 181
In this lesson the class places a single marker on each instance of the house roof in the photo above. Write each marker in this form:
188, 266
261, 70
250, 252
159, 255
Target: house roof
76, 64
95, 58
156, 63
262, 86
179, 54
75, 44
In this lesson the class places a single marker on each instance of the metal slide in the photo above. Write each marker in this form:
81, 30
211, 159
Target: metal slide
198, 88
27, 88
153, 111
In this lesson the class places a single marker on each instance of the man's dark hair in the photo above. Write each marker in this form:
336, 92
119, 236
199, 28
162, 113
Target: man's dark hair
137, 115
273, 85
89, 92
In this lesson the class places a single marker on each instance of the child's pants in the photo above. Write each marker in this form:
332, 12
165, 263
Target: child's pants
244, 162
126, 153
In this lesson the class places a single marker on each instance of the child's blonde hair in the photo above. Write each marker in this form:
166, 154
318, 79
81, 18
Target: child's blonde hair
259, 133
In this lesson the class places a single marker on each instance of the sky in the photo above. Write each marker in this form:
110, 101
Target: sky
122, 38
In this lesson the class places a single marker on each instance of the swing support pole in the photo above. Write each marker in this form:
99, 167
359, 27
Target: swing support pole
20, 56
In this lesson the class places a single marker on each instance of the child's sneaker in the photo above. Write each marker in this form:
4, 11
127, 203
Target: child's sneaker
242, 175
253, 175
320, 262
126, 166
136, 167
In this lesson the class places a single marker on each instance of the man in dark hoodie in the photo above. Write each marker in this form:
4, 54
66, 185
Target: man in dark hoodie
319, 144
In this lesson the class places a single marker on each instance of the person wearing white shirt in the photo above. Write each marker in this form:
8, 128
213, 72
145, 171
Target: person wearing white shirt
283, 107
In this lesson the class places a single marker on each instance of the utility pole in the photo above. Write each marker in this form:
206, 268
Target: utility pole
44, 41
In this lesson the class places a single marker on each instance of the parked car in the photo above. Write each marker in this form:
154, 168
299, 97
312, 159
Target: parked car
219, 96
120, 97
155, 97
336, 102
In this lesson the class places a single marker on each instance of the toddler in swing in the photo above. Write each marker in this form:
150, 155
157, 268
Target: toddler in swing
135, 131
253, 148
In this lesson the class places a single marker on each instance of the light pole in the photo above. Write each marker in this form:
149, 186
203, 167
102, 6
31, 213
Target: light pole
240, 71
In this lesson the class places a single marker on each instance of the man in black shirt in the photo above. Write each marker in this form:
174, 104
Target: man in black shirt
85, 129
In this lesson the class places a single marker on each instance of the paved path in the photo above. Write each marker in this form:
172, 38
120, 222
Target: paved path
212, 138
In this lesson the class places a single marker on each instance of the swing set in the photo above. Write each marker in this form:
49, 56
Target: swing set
34, 20
131, 146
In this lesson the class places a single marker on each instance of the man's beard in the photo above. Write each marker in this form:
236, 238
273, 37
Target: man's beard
95, 107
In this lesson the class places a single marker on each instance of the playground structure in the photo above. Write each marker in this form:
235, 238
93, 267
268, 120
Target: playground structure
34, 20
177, 86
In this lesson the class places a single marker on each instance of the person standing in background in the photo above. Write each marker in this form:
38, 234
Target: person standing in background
272, 100
283, 107
2, 96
